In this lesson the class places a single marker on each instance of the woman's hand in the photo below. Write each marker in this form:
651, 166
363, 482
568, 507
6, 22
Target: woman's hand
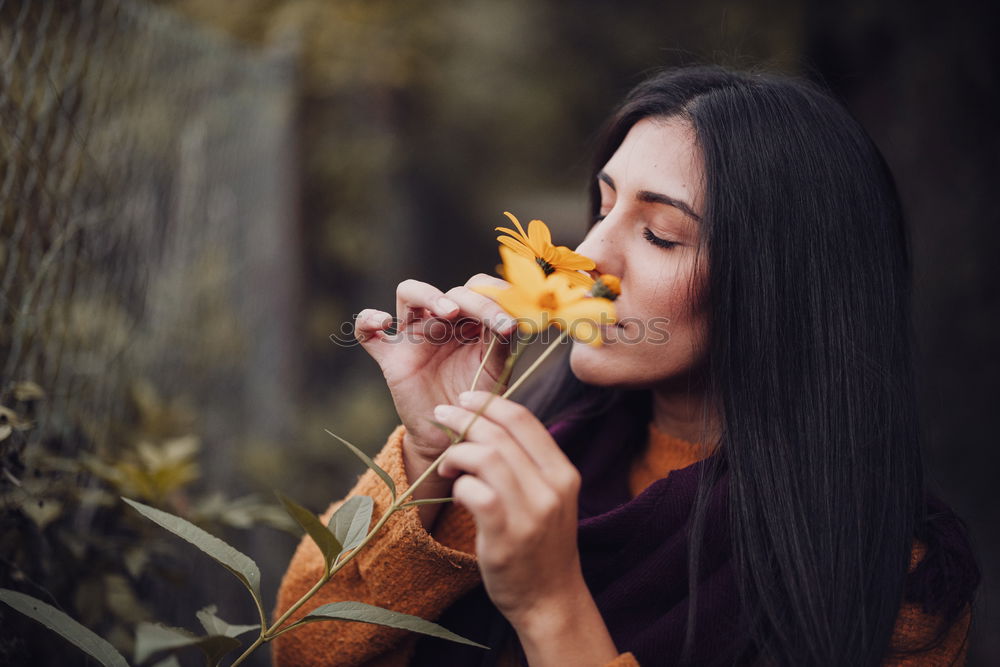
522, 491
433, 357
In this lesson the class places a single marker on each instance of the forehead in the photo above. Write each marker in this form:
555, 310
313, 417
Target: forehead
659, 155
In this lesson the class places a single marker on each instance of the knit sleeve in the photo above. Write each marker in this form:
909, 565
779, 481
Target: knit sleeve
403, 568
916, 629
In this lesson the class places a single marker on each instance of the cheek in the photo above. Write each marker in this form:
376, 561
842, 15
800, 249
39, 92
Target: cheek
686, 316
665, 296
677, 291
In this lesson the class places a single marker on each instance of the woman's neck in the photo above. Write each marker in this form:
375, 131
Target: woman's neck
683, 414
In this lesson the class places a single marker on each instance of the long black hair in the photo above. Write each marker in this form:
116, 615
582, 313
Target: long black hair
810, 357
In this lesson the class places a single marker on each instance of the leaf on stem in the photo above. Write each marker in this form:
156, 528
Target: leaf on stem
351, 521
216, 626
328, 545
426, 501
366, 613
66, 627
151, 638
368, 462
238, 563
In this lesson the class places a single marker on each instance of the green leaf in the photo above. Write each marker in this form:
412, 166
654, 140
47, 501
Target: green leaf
328, 545
69, 629
351, 521
368, 462
235, 561
216, 626
152, 638
216, 646
366, 613
426, 501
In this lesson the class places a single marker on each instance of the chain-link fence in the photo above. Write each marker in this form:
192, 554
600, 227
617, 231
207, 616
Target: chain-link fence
144, 192
147, 237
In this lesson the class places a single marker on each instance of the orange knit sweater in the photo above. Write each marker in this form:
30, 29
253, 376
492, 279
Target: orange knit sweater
407, 569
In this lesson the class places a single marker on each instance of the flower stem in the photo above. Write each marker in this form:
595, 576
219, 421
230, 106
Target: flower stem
275, 629
538, 362
482, 365
508, 368
250, 649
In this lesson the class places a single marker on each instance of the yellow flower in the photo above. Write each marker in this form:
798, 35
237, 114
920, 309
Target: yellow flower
536, 245
538, 301
607, 286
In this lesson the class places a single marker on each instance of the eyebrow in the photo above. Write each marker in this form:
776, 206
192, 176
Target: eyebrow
654, 197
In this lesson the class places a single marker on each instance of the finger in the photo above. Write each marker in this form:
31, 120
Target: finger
482, 502
521, 507
485, 432
524, 427
482, 308
485, 279
489, 464
371, 322
370, 331
525, 489
414, 298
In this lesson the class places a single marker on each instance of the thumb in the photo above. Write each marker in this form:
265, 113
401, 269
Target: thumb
370, 331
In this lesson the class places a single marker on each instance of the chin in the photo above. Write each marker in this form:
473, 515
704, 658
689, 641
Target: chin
595, 365
617, 366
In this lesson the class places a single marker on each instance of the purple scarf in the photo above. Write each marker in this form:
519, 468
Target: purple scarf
634, 555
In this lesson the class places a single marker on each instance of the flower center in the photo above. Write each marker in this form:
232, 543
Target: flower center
548, 301
606, 287
546, 267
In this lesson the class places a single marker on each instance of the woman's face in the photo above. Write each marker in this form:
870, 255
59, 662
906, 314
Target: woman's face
651, 201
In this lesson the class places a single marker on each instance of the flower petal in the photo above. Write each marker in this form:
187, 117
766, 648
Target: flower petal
521, 271
564, 258
586, 332
517, 246
566, 292
599, 311
516, 303
539, 236
516, 224
576, 278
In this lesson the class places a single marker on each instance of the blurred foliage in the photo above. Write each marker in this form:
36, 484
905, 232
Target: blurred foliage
65, 535
132, 213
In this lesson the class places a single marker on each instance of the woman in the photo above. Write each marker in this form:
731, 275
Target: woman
734, 477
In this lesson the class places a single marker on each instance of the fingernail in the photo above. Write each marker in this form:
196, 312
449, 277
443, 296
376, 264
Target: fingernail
441, 411
446, 305
465, 398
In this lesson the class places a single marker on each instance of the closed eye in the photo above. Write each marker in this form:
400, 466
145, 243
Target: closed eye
657, 241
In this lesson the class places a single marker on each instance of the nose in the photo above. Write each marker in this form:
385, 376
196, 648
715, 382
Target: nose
599, 245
